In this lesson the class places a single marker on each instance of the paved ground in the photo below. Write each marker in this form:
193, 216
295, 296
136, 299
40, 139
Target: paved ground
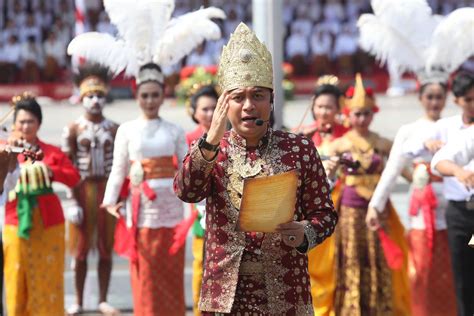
394, 112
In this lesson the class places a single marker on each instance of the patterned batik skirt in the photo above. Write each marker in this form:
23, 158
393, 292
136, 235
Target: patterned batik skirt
431, 277
364, 281
157, 276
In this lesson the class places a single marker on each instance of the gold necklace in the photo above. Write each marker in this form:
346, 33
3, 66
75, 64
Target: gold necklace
240, 170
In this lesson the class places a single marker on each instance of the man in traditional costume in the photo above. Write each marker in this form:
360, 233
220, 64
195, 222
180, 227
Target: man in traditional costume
89, 143
253, 272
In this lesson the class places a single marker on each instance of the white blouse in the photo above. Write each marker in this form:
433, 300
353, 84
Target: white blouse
139, 139
418, 131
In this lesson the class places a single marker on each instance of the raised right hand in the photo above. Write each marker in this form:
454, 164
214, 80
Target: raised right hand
219, 120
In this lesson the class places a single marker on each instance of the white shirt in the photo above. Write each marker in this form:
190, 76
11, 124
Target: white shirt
12, 53
303, 25
27, 31
32, 52
397, 161
459, 150
321, 44
446, 130
334, 11
139, 139
346, 44
55, 49
297, 44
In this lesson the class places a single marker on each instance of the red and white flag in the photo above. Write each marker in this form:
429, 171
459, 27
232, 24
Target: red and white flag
80, 16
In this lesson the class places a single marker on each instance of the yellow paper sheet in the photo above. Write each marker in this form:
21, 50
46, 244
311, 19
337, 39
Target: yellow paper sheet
268, 202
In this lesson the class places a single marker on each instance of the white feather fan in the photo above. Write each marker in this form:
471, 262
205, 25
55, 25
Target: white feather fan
146, 33
397, 32
407, 35
453, 41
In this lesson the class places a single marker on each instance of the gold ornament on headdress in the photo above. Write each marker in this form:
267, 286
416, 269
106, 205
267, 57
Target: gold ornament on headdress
327, 79
15, 99
92, 84
245, 62
189, 86
27, 95
360, 99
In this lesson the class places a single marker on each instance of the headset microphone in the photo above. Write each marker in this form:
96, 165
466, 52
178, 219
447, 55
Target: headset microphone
259, 122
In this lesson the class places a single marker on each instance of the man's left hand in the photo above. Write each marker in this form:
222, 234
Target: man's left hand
292, 233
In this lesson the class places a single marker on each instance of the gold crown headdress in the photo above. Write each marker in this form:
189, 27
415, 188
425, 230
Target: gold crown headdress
327, 80
357, 97
245, 61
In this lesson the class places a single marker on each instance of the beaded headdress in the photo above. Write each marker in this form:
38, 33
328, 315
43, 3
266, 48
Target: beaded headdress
245, 62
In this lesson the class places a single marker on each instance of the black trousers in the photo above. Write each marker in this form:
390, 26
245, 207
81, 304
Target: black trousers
460, 223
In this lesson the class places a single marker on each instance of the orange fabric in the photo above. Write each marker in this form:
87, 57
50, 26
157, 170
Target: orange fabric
158, 167
400, 283
198, 252
157, 276
432, 288
322, 272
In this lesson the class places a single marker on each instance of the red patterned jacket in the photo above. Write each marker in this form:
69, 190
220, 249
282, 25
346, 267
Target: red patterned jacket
287, 280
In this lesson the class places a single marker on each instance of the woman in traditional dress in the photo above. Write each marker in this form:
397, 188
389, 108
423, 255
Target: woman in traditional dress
145, 148
431, 279
201, 107
33, 237
326, 105
149, 37
325, 108
365, 285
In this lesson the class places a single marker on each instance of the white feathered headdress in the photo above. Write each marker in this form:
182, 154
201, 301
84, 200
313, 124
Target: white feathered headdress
146, 33
407, 35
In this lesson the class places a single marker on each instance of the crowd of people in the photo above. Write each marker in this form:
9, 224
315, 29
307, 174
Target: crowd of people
365, 271
320, 36
342, 250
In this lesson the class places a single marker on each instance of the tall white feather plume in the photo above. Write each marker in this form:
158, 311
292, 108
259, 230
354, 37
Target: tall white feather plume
189, 30
146, 33
453, 41
106, 50
398, 32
